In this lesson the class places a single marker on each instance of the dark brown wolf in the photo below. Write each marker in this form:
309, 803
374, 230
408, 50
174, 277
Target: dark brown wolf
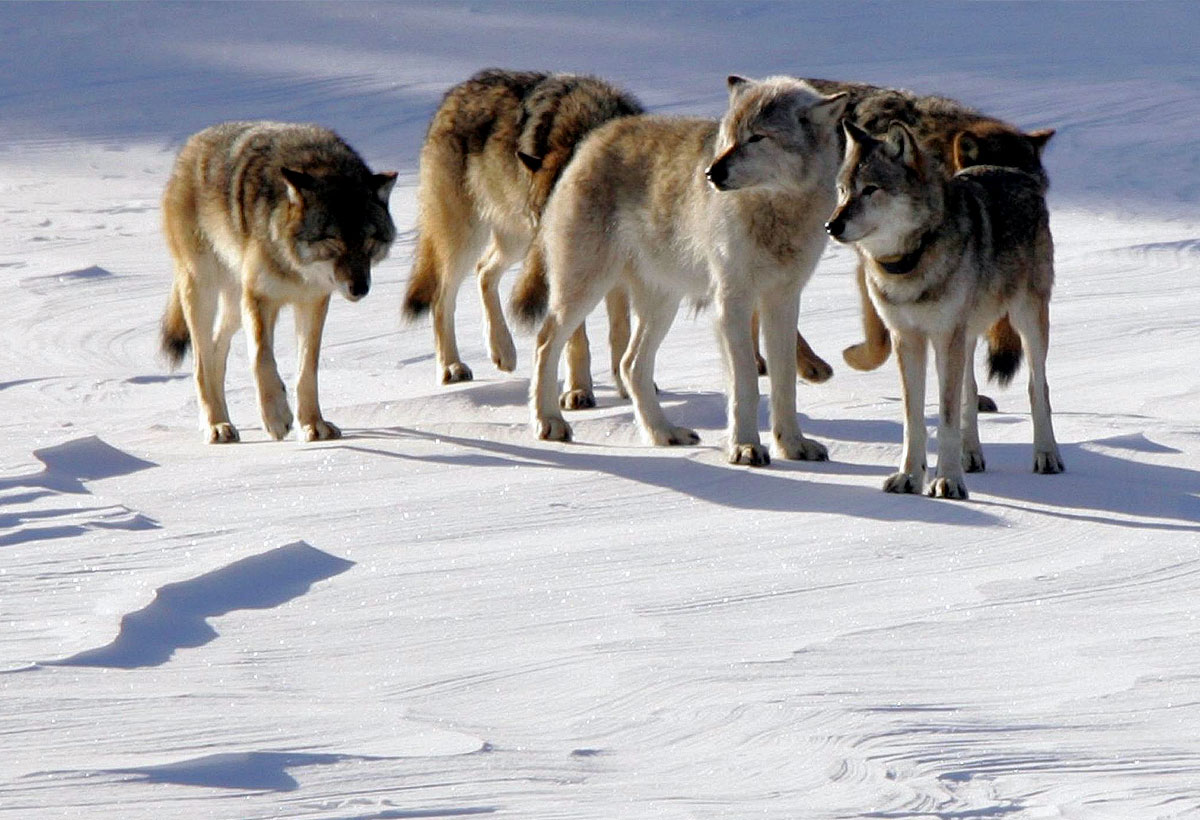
494, 150
258, 215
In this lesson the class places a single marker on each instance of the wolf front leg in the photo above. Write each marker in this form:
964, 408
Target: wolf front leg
259, 316
741, 374
779, 311
310, 324
911, 348
951, 352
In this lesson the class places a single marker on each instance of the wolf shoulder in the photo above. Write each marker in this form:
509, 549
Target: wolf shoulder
1014, 201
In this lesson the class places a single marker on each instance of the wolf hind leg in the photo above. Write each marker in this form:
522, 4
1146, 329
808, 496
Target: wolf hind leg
202, 286
972, 450
503, 250
874, 350
950, 350
1032, 321
260, 316
654, 311
616, 303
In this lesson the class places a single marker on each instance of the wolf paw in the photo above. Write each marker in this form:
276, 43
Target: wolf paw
277, 418
577, 399
674, 437
752, 455
902, 483
815, 370
863, 356
504, 355
223, 433
801, 449
943, 487
320, 430
455, 373
972, 461
986, 404
1048, 462
553, 429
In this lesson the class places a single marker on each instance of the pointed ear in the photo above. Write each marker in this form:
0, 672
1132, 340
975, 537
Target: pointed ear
900, 144
966, 150
534, 164
297, 183
855, 134
737, 84
1040, 138
382, 183
829, 109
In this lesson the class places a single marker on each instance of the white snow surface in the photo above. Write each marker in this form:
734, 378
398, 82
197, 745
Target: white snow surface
439, 615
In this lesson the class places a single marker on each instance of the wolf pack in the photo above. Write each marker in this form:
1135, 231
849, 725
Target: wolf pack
598, 200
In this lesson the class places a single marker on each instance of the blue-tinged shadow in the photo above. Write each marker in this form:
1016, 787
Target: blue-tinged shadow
70, 464
177, 617
257, 771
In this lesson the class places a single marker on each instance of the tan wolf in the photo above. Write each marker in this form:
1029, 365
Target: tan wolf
726, 213
258, 215
494, 150
953, 136
944, 259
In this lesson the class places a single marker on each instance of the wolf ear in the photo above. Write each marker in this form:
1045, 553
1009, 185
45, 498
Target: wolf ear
855, 134
297, 183
534, 164
737, 84
966, 150
1040, 138
900, 144
829, 110
382, 183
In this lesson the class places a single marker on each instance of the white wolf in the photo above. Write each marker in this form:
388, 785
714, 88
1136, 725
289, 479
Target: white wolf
729, 214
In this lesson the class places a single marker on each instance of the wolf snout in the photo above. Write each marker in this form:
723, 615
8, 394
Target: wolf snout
836, 227
718, 175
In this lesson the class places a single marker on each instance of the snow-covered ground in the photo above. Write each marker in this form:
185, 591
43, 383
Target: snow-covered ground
439, 616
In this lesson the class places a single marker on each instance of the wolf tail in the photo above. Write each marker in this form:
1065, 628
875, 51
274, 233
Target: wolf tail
173, 336
1004, 351
531, 294
423, 283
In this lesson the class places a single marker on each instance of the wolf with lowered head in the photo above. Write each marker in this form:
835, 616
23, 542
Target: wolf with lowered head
494, 150
724, 213
259, 215
944, 259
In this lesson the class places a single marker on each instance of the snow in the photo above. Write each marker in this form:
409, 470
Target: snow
440, 616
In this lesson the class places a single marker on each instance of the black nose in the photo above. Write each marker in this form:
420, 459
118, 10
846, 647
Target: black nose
717, 174
835, 228
358, 289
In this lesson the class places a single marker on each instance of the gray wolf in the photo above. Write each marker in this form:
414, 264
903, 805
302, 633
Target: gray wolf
953, 136
494, 150
259, 215
724, 213
944, 259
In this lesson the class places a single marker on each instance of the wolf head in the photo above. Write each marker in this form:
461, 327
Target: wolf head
337, 226
560, 112
774, 134
888, 191
997, 143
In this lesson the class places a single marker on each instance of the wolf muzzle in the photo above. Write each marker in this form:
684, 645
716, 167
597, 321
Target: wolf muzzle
836, 226
355, 279
718, 174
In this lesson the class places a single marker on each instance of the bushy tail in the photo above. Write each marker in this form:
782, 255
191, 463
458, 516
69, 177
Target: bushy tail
1004, 351
173, 335
423, 283
531, 294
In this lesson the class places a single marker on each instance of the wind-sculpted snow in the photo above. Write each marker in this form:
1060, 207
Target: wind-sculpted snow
439, 615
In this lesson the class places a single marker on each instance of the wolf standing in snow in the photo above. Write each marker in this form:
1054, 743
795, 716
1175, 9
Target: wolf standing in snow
494, 150
726, 213
945, 259
953, 136
258, 215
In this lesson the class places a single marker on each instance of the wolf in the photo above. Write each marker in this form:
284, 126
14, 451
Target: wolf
258, 215
953, 136
728, 213
944, 259
494, 150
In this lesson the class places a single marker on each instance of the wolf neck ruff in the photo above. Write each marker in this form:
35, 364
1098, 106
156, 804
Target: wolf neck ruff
901, 265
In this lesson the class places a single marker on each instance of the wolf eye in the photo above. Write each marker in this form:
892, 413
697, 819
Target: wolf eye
755, 138
868, 190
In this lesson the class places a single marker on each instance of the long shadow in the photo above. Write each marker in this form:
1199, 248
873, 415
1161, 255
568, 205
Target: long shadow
177, 617
68, 465
252, 771
110, 518
738, 488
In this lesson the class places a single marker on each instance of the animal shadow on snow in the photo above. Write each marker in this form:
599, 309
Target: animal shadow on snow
177, 617
770, 490
66, 469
